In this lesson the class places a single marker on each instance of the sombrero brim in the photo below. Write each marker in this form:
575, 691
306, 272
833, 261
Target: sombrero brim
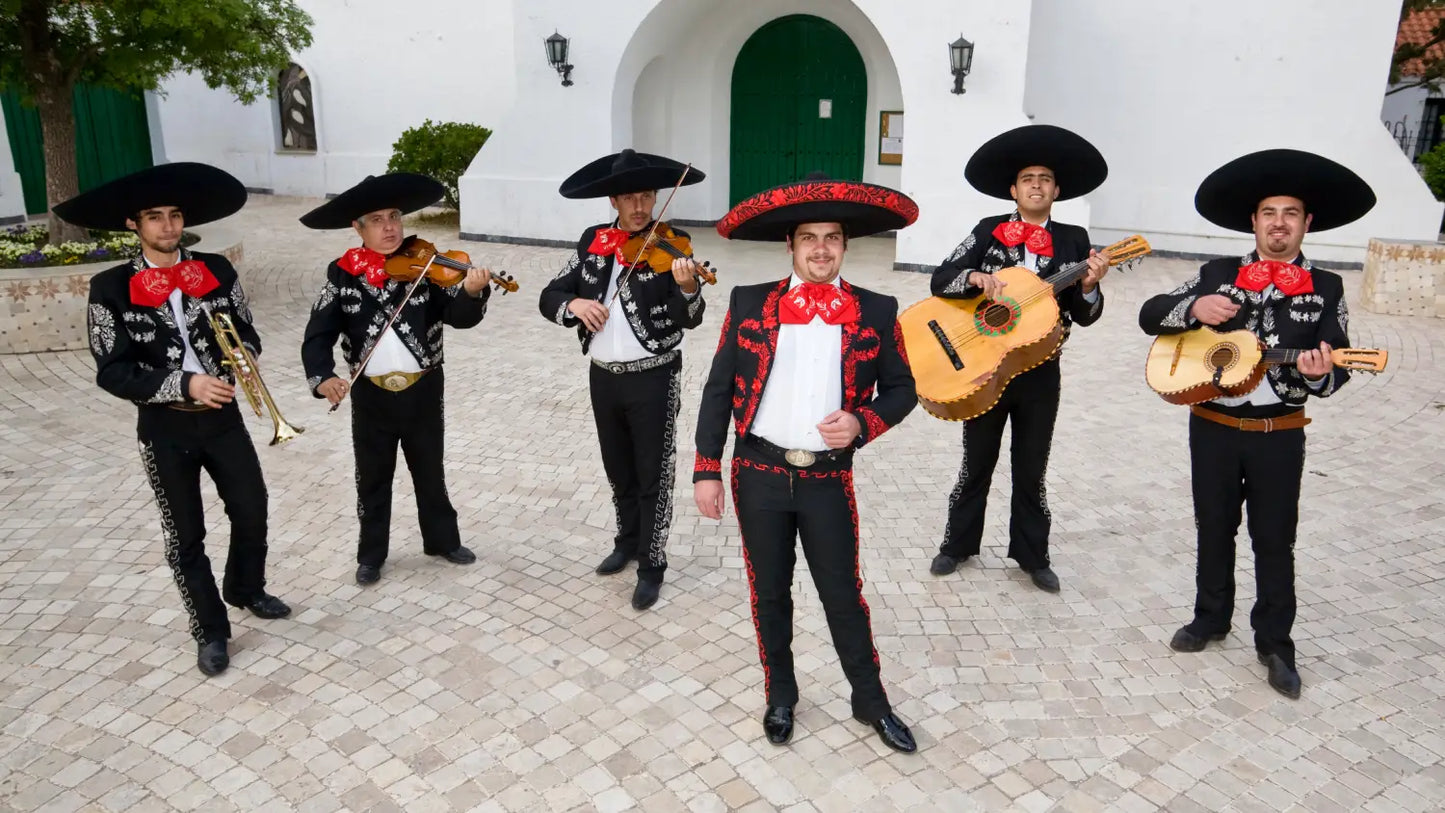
406, 191
626, 172
1078, 166
202, 192
1333, 194
861, 208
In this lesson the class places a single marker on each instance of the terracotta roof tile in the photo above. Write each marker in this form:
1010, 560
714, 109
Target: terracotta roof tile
1416, 28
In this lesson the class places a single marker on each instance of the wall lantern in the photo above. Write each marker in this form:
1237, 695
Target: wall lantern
557, 57
960, 58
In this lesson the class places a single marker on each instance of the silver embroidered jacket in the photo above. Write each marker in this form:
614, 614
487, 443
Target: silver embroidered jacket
657, 309
138, 349
1289, 322
355, 311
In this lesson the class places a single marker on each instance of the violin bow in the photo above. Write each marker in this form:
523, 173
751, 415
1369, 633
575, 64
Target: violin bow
652, 233
361, 367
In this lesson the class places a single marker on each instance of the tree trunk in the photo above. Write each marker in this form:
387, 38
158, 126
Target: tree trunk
57, 130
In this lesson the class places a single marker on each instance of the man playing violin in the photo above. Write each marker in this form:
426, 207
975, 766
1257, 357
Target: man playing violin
1250, 449
1034, 166
154, 346
630, 319
398, 395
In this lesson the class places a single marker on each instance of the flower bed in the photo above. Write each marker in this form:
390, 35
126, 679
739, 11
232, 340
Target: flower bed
24, 246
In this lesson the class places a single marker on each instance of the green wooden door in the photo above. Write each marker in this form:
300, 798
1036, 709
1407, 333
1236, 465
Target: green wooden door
784, 73
112, 138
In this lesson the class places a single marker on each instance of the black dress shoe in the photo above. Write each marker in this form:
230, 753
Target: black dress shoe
460, 555
645, 595
893, 732
615, 561
268, 606
1186, 641
368, 574
211, 658
1282, 677
1045, 579
943, 564
778, 724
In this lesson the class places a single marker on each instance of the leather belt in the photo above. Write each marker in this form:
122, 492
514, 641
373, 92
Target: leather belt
798, 458
189, 406
1289, 420
395, 382
640, 365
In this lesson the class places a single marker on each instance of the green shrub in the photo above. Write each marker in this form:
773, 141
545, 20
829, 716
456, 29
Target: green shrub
442, 150
1432, 167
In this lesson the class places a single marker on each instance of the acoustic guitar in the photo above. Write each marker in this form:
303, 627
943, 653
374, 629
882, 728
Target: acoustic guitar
965, 351
1203, 364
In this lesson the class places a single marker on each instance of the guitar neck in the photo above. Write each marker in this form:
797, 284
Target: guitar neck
1068, 275
1281, 356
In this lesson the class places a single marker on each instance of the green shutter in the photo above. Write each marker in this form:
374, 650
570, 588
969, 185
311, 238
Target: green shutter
781, 74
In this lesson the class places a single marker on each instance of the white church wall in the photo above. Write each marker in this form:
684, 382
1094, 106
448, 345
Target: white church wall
12, 196
1209, 80
1403, 113
376, 69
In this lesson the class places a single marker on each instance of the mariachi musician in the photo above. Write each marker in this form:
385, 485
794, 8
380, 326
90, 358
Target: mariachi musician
397, 367
631, 318
154, 346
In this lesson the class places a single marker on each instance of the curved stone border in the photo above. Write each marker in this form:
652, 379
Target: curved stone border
1404, 278
43, 309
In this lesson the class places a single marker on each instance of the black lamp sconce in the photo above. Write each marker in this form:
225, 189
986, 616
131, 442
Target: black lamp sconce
960, 58
557, 47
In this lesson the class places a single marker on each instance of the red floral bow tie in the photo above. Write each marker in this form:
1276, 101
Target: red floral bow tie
1289, 278
362, 260
609, 241
803, 302
153, 286
1035, 238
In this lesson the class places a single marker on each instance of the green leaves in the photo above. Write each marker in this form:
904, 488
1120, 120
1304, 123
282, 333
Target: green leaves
442, 151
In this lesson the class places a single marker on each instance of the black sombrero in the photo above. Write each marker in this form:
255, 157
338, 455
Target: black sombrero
1078, 167
625, 172
406, 191
1332, 193
202, 192
862, 209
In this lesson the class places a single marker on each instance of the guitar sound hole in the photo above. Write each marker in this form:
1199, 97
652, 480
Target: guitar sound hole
1223, 357
997, 316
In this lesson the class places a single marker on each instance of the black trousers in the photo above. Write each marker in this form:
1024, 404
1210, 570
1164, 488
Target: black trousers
776, 505
1229, 468
1031, 401
413, 419
636, 415
175, 447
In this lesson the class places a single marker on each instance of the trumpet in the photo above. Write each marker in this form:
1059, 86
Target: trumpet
248, 376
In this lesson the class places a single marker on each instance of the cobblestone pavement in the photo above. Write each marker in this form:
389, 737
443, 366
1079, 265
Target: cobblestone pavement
526, 682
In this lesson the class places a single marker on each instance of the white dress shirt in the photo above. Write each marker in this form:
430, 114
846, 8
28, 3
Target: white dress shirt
189, 362
616, 341
391, 356
805, 385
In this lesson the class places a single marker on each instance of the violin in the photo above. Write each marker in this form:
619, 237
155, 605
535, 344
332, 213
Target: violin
665, 247
446, 268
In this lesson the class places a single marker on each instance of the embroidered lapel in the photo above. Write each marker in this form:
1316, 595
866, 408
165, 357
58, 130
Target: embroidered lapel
763, 349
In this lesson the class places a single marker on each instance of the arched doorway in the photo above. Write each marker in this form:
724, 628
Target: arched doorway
799, 104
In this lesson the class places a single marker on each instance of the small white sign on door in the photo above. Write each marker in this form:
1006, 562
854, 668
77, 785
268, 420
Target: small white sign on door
825, 108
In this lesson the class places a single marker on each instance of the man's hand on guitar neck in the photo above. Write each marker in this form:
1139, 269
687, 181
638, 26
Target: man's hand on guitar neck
992, 286
1214, 309
1315, 364
1098, 267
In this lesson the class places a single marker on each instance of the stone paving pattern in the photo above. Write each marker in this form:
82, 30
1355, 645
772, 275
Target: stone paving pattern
527, 682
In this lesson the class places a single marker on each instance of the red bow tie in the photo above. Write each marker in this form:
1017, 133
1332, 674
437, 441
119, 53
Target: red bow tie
609, 241
1035, 238
803, 302
153, 286
1289, 278
362, 260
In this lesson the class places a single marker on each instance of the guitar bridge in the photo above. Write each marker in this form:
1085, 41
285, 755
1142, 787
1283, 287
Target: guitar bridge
945, 343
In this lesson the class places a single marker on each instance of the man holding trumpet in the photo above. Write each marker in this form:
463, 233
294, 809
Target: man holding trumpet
154, 346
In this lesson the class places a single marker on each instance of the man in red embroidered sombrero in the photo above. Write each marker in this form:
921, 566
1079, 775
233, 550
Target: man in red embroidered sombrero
631, 322
154, 346
1250, 449
1034, 166
400, 386
809, 370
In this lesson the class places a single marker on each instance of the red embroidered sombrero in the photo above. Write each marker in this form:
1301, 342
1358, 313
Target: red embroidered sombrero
1333, 194
202, 192
862, 209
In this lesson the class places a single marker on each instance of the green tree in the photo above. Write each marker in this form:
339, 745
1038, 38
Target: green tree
1432, 68
47, 47
441, 150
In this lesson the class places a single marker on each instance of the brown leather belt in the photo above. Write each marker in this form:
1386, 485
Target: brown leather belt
189, 406
1291, 420
396, 382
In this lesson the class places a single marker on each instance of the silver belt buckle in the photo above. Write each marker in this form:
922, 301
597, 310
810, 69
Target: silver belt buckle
616, 367
802, 458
